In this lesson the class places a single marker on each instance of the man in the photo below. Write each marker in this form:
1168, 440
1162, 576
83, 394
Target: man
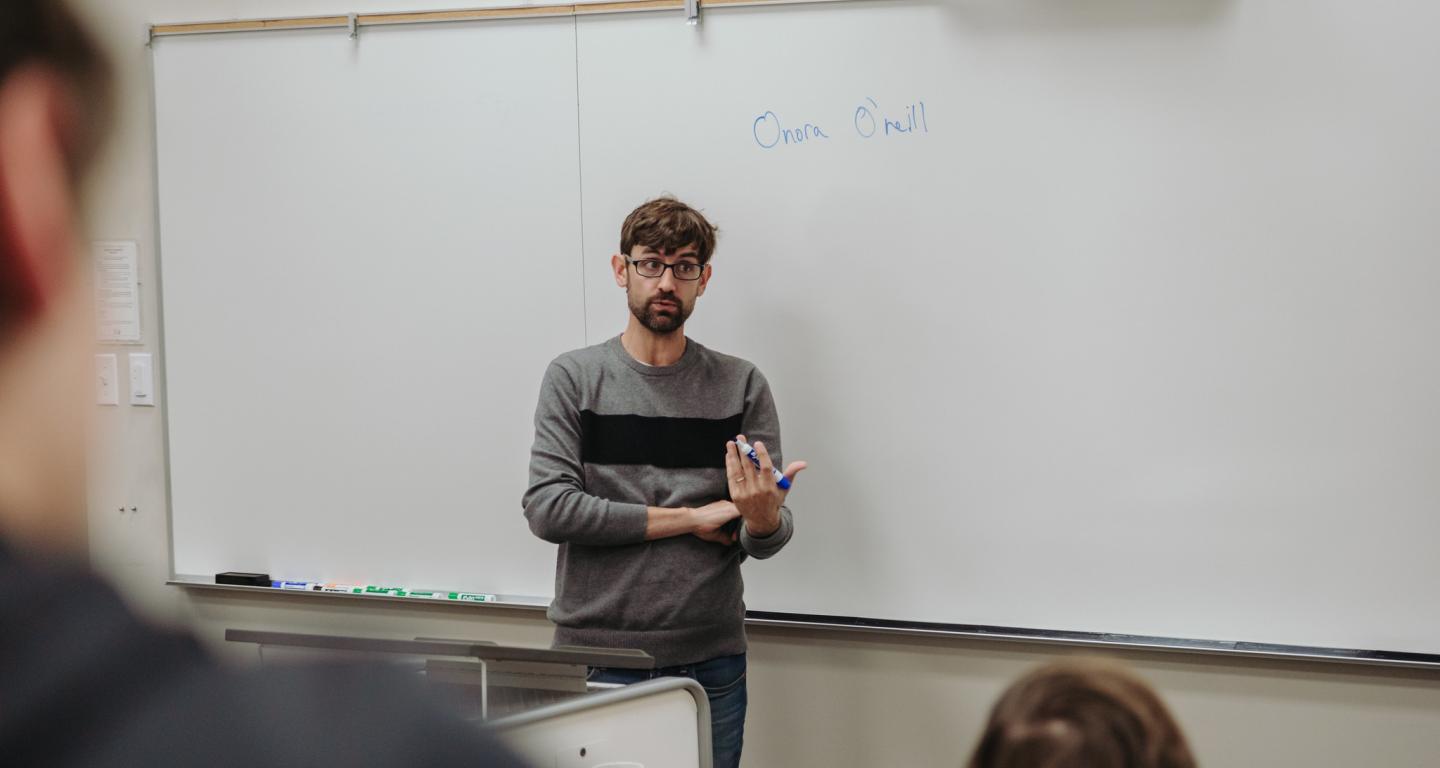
636, 474
82, 681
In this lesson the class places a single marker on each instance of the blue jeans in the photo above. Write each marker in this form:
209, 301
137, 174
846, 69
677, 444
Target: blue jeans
724, 682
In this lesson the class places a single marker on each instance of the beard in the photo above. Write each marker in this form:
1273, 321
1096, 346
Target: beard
661, 321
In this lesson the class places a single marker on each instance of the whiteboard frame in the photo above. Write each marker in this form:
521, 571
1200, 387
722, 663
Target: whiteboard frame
161, 371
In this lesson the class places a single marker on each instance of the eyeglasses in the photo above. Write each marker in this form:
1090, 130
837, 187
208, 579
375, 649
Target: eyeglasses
683, 270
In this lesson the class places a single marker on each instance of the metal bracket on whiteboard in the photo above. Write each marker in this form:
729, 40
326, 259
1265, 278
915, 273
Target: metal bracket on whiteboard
692, 12
354, 25
149, 35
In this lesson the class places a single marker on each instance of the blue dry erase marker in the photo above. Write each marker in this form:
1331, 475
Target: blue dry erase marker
780, 478
304, 585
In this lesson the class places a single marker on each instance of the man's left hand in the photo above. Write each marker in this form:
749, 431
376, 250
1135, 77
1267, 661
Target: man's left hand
753, 489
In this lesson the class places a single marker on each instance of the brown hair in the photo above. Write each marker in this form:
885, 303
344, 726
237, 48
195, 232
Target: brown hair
1082, 713
46, 34
666, 224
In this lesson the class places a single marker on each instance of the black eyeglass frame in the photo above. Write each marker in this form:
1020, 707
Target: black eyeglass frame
663, 266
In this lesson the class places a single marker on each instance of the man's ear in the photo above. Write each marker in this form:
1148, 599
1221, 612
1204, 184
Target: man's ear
704, 280
621, 269
37, 206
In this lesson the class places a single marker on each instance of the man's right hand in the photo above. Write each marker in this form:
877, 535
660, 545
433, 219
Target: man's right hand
710, 520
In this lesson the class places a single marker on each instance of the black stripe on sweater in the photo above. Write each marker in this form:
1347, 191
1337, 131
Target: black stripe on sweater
660, 441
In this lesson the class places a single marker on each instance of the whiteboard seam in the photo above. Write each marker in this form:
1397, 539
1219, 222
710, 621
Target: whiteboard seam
580, 194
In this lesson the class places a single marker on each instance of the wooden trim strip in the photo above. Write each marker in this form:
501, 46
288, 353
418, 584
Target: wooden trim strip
251, 25
474, 14
750, 3
630, 6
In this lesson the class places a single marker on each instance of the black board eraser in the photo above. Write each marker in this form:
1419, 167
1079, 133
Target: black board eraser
243, 579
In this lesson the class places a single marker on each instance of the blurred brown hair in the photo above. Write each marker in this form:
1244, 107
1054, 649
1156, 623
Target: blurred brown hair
47, 35
666, 224
1081, 713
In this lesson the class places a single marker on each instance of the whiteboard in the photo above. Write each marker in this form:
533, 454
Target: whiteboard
363, 282
1125, 324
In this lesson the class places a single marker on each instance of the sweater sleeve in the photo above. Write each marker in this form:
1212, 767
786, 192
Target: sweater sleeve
556, 504
762, 425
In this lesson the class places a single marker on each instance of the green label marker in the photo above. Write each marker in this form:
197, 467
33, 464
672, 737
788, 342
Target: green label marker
472, 597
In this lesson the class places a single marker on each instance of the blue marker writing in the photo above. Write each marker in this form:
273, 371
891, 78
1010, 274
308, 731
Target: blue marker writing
780, 478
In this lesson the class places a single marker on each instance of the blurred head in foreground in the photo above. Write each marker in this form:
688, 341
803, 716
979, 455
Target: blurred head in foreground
55, 97
82, 680
1081, 713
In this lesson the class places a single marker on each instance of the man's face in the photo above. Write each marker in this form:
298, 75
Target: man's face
663, 303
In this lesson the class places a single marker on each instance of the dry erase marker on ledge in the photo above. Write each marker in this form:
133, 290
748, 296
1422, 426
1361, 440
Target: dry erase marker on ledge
379, 591
780, 478
471, 597
348, 589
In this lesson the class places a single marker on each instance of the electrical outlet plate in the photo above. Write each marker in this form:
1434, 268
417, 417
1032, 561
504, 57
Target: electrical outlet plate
107, 379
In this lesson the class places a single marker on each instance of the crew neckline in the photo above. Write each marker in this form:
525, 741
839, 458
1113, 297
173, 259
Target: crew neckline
688, 357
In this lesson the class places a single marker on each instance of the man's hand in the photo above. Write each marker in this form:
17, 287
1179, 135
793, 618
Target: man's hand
753, 489
710, 521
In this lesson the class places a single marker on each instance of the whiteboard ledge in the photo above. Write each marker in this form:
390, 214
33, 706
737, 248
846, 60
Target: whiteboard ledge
1102, 640
1105, 640
524, 602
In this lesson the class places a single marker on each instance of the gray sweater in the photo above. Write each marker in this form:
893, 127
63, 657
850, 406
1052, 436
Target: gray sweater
613, 435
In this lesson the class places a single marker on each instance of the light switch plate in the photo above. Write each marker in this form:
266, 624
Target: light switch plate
107, 379
142, 379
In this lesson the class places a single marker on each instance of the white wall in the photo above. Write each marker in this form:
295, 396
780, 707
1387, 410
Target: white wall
817, 698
